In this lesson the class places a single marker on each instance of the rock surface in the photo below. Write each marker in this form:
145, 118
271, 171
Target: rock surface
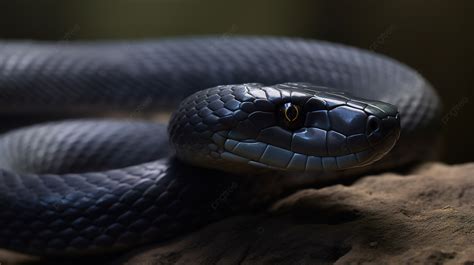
426, 217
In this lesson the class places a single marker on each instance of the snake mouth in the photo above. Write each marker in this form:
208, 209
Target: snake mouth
263, 155
333, 150
272, 157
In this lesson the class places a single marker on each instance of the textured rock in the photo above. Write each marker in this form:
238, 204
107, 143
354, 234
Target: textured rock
426, 217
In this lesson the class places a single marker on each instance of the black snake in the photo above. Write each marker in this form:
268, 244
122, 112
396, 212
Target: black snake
268, 115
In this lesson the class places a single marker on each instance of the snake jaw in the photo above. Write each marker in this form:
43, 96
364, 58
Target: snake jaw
243, 126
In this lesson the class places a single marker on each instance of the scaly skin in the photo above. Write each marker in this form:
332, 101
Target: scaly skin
88, 187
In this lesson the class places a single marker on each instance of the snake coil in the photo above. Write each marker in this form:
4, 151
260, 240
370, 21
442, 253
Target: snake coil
261, 115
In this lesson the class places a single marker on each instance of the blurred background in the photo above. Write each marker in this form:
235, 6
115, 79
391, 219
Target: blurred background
435, 37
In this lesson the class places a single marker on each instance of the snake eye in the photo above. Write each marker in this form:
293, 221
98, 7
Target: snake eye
290, 116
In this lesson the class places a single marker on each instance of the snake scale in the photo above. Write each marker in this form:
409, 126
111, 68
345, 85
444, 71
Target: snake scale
259, 117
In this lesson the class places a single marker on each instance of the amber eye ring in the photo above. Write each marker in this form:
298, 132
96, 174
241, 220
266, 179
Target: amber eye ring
291, 116
291, 112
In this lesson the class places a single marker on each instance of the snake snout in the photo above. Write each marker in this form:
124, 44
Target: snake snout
383, 120
379, 129
382, 129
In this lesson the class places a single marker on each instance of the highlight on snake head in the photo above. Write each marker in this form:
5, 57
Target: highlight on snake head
295, 127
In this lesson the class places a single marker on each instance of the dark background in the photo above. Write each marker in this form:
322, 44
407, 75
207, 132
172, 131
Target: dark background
435, 37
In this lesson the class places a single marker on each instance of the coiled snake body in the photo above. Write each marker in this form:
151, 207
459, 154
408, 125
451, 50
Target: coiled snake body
268, 115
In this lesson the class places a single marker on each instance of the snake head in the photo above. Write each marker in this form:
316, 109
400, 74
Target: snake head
287, 127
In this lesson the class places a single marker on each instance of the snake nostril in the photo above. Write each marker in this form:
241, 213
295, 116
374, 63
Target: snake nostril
373, 125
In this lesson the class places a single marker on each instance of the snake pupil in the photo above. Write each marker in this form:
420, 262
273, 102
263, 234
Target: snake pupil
291, 116
291, 112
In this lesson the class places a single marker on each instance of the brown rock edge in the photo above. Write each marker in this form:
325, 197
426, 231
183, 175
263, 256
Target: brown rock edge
426, 217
